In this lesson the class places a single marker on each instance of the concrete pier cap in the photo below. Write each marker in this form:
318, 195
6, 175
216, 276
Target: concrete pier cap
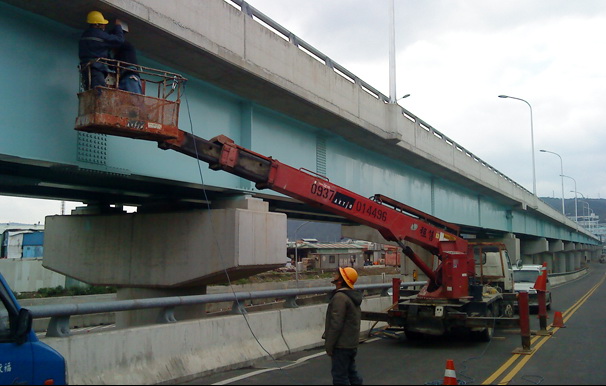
167, 250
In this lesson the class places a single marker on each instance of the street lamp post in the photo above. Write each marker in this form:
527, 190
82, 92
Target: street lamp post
576, 215
392, 52
585, 217
296, 255
561, 174
585, 202
534, 178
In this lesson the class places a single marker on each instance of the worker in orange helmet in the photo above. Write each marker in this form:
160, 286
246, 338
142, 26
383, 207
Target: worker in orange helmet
342, 331
95, 43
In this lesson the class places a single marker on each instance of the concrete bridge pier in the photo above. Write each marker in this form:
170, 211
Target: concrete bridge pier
560, 263
167, 254
569, 249
556, 247
533, 251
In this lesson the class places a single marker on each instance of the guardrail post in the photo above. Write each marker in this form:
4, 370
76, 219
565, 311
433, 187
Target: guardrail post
58, 327
238, 308
291, 302
166, 315
524, 311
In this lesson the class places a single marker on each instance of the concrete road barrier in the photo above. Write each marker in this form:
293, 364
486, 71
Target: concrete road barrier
186, 350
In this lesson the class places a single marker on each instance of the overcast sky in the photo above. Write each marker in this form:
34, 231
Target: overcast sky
455, 57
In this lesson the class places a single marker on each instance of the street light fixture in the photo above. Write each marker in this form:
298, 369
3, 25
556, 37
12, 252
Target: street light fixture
584, 198
534, 178
561, 173
576, 215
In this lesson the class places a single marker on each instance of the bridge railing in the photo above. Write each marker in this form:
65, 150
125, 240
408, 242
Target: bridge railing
60, 314
287, 35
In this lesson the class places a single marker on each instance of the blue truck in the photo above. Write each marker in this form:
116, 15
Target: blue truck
23, 358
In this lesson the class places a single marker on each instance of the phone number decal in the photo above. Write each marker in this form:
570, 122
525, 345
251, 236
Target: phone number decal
344, 201
372, 211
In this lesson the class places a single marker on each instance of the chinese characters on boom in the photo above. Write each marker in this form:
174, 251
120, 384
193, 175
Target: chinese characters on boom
427, 233
5, 368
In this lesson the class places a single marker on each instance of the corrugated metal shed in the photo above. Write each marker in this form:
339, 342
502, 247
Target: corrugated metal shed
33, 245
18, 242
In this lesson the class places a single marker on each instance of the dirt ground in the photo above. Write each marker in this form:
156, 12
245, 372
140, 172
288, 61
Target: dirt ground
283, 274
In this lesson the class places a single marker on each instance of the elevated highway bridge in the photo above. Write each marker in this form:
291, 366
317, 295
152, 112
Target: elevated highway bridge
258, 83
261, 85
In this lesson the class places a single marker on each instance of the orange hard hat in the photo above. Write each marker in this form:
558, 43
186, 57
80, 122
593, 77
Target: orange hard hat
350, 276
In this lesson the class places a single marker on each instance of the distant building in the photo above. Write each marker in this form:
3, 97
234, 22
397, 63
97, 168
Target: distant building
21, 241
355, 254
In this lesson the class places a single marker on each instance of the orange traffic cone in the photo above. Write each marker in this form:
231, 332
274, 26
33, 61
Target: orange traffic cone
450, 377
558, 321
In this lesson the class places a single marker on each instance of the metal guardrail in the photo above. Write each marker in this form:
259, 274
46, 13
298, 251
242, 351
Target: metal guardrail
60, 314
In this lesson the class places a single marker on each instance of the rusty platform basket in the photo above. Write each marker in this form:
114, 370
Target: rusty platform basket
109, 110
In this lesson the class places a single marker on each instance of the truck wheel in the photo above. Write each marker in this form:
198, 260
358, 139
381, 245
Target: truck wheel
548, 302
486, 334
508, 310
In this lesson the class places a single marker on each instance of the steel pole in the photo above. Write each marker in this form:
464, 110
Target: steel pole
576, 213
296, 255
524, 311
561, 176
534, 174
392, 52
396, 290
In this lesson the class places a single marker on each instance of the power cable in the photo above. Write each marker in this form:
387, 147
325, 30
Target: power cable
465, 367
213, 235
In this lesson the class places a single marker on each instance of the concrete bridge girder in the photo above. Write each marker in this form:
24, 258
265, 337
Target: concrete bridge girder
536, 246
556, 246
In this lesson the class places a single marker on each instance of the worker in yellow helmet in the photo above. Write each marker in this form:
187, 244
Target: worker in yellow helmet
342, 331
95, 43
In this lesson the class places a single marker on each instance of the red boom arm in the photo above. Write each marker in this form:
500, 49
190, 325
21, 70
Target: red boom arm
393, 223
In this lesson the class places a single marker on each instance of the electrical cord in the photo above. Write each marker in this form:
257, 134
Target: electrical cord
527, 378
213, 235
464, 365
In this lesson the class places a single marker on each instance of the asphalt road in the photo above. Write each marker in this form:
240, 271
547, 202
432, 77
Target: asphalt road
571, 355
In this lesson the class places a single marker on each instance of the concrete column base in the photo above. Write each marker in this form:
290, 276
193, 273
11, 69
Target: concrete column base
167, 250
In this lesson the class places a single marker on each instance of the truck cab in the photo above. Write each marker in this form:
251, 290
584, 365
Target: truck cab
23, 358
493, 265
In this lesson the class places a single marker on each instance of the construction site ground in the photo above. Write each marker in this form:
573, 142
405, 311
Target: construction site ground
287, 274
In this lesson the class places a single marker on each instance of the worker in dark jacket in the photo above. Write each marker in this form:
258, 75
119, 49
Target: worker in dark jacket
95, 43
342, 331
130, 80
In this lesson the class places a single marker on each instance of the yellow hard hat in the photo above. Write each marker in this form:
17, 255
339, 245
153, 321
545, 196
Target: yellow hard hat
350, 276
96, 17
